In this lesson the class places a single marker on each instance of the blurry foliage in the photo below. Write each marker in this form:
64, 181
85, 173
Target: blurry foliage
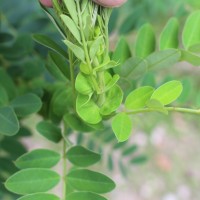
137, 12
22, 69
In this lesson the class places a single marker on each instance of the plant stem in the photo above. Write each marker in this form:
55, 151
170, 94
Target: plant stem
72, 76
171, 109
92, 78
64, 160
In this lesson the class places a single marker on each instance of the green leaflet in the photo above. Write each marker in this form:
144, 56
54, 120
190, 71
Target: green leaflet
84, 196
9, 123
30, 181
78, 51
87, 180
82, 157
156, 105
17, 150
146, 42
71, 7
5, 37
8, 84
138, 98
87, 109
49, 43
190, 57
39, 196
139, 160
163, 58
55, 22
195, 48
169, 36
191, 31
112, 82
95, 46
3, 96
113, 100
39, 158
72, 27
133, 68
58, 67
122, 126
130, 150
61, 101
168, 92
26, 104
82, 85
74, 122
49, 131
118, 56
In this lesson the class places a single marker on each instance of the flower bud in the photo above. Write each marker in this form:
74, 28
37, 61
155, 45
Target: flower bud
110, 3
47, 3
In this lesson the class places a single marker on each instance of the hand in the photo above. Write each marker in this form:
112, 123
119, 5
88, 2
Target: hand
110, 3
46, 3
105, 3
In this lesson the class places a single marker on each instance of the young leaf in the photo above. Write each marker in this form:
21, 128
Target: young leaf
39, 158
169, 36
82, 85
49, 131
122, 126
84, 196
72, 27
71, 7
145, 43
88, 110
9, 123
112, 82
26, 104
113, 100
165, 58
78, 51
138, 98
39, 196
168, 92
86, 180
82, 157
30, 181
191, 31
95, 47
48, 42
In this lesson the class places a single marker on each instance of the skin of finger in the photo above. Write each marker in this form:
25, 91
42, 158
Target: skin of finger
110, 3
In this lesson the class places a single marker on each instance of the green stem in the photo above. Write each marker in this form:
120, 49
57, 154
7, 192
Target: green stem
107, 36
72, 76
171, 109
101, 81
64, 160
92, 78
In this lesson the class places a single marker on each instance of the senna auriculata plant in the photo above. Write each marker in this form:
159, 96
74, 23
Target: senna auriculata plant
92, 91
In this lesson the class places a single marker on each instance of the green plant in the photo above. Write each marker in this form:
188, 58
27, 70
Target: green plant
88, 93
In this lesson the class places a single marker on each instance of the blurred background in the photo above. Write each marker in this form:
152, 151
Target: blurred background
160, 161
